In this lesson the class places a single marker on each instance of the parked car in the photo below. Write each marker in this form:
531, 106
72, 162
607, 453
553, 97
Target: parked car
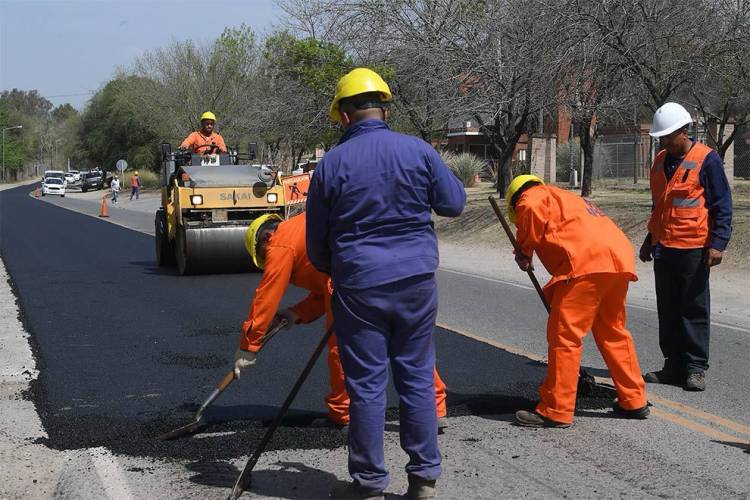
55, 173
92, 180
53, 185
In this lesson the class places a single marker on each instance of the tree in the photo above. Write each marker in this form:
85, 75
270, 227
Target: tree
14, 151
300, 75
594, 81
183, 79
721, 94
115, 126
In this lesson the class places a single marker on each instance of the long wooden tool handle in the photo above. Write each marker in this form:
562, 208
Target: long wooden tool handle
228, 378
243, 481
513, 241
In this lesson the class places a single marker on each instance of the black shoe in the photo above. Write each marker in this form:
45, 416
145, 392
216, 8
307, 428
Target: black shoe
420, 489
638, 413
356, 491
663, 376
533, 419
696, 382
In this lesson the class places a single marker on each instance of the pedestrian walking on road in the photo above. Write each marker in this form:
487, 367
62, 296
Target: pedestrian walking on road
135, 185
689, 229
591, 262
114, 185
369, 226
278, 248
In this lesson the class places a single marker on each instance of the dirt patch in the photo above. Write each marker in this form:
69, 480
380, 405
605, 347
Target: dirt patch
629, 207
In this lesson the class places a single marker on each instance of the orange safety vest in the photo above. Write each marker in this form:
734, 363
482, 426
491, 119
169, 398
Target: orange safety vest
680, 215
570, 235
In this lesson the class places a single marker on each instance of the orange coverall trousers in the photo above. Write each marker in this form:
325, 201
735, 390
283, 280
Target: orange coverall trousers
594, 302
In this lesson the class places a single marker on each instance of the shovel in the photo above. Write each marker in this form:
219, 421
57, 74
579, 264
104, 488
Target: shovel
198, 423
586, 382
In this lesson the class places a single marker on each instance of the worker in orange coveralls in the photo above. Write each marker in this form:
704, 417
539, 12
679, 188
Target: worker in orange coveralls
206, 140
591, 262
279, 249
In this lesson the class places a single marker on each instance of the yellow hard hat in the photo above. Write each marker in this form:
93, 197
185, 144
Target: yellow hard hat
208, 116
136, 172
251, 237
517, 183
358, 81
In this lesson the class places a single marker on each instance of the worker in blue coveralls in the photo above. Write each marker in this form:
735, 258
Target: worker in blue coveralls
369, 225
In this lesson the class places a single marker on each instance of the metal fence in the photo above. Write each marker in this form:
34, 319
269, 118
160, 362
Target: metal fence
621, 157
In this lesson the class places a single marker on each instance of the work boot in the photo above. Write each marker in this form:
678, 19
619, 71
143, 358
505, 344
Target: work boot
696, 382
442, 424
533, 419
356, 491
638, 413
327, 423
664, 376
420, 488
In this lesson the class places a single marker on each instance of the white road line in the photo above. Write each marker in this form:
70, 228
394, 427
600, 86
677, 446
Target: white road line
110, 474
645, 308
713, 323
485, 278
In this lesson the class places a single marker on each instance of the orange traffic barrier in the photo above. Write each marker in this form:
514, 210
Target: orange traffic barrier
104, 211
36, 192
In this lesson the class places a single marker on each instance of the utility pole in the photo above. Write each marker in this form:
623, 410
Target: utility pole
16, 127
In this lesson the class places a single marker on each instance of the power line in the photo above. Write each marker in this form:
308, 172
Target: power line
71, 95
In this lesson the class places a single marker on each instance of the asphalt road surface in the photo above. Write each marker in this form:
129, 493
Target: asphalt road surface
127, 350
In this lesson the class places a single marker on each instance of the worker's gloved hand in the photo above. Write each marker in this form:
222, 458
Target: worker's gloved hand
523, 262
243, 359
288, 315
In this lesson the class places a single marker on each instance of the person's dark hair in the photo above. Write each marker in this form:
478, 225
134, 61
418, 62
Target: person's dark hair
368, 100
517, 195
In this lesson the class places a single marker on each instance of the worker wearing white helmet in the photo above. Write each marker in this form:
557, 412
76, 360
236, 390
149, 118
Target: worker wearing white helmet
689, 228
206, 140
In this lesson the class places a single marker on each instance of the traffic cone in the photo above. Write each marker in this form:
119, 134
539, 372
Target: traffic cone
37, 194
104, 211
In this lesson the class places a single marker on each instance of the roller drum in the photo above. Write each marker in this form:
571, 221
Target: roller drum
215, 249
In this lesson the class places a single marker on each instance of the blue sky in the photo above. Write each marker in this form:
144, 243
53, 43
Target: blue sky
70, 48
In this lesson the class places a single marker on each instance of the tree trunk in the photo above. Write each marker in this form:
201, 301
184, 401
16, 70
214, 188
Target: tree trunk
587, 146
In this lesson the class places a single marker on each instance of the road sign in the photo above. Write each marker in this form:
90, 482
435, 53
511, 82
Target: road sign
121, 165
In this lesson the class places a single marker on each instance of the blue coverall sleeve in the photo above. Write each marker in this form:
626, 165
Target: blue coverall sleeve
316, 228
447, 194
718, 200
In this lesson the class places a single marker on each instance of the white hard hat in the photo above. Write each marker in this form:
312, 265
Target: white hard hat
668, 118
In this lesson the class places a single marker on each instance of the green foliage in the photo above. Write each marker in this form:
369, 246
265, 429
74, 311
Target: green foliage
114, 126
465, 166
26, 103
15, 150
314, 63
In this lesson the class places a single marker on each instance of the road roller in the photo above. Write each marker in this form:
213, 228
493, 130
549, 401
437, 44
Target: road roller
209, 200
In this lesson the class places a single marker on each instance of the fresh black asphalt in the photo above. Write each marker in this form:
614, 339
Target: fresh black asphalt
127, 350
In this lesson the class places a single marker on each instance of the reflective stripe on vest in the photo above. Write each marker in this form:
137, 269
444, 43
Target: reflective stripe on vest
686, 202
680, 215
